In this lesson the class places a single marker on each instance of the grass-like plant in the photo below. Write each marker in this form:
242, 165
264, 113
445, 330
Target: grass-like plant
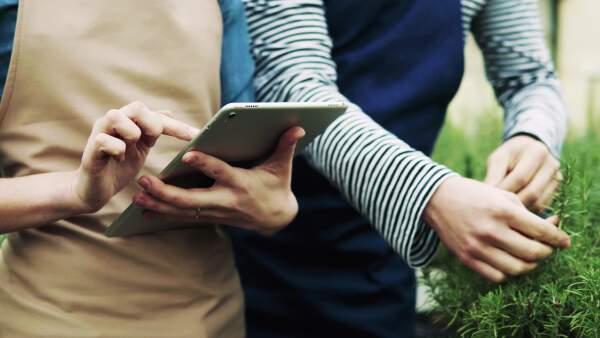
562, 297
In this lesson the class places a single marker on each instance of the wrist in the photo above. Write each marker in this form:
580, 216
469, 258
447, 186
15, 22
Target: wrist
440, 200
69, 199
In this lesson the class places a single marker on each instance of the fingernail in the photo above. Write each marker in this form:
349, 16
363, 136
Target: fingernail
188, 158
303, 132
566, 242
144, 183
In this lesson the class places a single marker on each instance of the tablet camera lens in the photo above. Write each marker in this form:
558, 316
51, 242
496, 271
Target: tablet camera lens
231, 116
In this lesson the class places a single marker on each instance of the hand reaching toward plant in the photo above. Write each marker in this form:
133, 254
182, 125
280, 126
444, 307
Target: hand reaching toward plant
525, 166
490, 230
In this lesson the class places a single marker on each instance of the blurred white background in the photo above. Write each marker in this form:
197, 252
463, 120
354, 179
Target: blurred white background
573, 33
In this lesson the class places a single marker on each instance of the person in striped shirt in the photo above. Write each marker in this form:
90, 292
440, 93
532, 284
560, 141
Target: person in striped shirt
330, 274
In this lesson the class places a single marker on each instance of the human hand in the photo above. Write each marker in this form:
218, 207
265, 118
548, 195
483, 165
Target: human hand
258, 199
525, 166
116, 151
490, 230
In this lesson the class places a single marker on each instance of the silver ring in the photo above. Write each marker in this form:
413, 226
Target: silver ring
197, 213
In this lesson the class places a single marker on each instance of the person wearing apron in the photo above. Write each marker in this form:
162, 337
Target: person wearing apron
72, 62
374, 290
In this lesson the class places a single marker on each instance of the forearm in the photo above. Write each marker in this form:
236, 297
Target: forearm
384, 179
537, 110
36, 200
520, 68
381, 176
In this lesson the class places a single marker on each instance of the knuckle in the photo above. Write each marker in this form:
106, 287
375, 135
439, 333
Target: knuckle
138, 106
529, 198
520, 180
293, 208
217, 172
485, 232
501, 210
101, 139
113, 115
137, 133
472, 247
465, 258
287, 211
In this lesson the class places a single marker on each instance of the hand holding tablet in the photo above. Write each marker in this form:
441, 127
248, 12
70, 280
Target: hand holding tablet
258, 199
239, 136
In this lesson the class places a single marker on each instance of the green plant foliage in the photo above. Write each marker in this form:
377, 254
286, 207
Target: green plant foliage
562, 297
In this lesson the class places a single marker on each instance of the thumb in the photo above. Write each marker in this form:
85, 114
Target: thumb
282, 157
497, 168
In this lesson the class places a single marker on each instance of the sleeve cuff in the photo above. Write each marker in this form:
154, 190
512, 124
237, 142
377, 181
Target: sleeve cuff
528, 126
422, 241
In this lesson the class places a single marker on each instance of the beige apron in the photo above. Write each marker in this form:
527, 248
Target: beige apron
72, 61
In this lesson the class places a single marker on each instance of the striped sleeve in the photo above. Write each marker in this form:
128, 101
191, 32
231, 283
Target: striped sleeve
381, 176
519, 68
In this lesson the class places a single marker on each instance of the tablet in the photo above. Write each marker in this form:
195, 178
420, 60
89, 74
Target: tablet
242, 134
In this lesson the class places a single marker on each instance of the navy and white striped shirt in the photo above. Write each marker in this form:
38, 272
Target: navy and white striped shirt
292, 51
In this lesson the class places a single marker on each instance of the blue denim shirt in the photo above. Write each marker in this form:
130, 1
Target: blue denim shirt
237, 66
